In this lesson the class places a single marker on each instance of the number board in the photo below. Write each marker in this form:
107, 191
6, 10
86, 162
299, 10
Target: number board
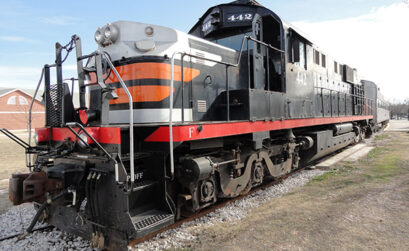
207, 25
239, 17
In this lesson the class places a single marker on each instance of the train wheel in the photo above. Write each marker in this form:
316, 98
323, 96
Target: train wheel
257, 174
358, 134
256, 165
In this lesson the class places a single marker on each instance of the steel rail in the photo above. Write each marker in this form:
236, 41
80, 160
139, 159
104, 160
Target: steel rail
221, 204
208, 210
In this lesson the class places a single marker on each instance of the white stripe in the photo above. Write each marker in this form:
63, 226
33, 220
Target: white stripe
204, 55
149, 116
21, 112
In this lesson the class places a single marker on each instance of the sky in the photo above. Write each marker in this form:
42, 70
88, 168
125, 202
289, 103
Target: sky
370, 35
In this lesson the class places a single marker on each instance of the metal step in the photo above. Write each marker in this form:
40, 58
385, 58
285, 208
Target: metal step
143, 184
151, 219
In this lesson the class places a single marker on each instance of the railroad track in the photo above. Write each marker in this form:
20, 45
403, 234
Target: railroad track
221, 204
213, 208
194, 216
205, 211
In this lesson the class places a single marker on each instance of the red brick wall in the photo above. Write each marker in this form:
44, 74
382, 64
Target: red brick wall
15, 117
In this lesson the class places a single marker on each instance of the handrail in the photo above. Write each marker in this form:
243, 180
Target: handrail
131, 136
349, 94
172, 68
70, 126
28, 159
33, 99
267, 45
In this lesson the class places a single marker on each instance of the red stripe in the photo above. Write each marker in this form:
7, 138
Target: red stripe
104, 135
43, 134
191, 132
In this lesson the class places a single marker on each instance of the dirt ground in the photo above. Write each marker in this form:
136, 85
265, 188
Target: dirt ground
362, 205
12, 160
356, 205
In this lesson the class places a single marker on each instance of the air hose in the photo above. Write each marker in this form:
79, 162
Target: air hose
39, 211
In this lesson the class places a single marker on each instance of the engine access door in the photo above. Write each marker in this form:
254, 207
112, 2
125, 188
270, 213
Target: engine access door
258, 54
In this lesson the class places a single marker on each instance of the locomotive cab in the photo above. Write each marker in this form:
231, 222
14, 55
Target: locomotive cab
257, 34
228, 24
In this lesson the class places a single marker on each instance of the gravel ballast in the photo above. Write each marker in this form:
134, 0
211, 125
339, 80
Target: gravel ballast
231, 213
19, 217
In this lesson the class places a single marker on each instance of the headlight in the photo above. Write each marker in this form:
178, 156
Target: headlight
107, 32
106, 35
98, 36
110, 33
83, 138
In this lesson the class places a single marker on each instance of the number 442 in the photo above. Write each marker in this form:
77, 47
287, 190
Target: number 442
240, 17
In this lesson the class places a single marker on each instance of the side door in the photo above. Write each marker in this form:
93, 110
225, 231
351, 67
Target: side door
259, 71
259, 98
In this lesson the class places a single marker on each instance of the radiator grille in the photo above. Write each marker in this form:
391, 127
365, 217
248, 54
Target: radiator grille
201, 106
54, 103
199, 60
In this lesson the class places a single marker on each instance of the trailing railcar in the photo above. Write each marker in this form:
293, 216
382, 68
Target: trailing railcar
176, 122
381, 114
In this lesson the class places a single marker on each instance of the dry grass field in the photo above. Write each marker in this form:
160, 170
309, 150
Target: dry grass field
362, 205
12, 160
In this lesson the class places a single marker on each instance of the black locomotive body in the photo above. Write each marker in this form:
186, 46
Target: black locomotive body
176, 122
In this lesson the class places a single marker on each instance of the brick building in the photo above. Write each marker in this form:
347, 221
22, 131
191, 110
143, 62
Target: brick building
14, 107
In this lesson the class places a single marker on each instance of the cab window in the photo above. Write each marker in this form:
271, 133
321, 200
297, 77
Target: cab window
298, 53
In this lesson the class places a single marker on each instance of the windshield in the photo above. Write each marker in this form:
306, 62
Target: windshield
233, 42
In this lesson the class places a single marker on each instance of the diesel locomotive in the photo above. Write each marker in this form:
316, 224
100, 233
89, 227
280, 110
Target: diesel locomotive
170, 123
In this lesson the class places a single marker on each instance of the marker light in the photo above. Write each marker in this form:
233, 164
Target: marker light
149, 31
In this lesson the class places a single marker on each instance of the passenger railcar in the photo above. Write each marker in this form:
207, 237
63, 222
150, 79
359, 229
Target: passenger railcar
382, 114
175, 122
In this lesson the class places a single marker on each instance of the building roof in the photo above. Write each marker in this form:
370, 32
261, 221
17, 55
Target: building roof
30, 92
5, 91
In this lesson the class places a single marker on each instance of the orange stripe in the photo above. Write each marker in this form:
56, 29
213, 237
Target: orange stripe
142, 93
150, 71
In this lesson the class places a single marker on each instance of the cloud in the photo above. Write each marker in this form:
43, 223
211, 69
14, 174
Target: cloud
377, 44
60, 20
18, 39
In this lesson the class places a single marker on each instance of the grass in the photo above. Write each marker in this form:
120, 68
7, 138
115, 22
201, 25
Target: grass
12, 160
374, 153
380, 165
386, 168
324, 176
350, 205
381, 137
339, 171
